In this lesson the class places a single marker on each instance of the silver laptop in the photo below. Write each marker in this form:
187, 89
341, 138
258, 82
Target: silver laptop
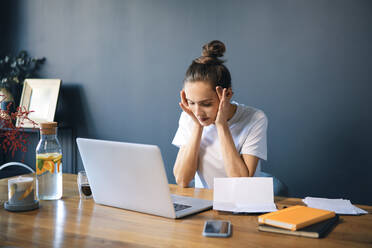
132, 176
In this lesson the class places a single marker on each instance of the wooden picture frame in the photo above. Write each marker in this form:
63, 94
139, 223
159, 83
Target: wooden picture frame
39, 96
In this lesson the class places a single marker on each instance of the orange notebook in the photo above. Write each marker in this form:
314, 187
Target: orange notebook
295, 217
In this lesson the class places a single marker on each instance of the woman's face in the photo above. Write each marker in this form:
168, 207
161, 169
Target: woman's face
203, 101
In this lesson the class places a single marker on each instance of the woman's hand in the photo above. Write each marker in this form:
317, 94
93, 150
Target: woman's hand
185, 107
224, 96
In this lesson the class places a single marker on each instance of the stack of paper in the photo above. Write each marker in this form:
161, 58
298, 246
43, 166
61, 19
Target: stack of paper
340, 206
244, 194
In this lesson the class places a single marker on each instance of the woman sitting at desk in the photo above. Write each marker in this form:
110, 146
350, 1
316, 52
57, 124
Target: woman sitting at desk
216, 137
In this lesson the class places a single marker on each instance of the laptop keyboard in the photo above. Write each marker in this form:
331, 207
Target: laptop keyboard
179, 207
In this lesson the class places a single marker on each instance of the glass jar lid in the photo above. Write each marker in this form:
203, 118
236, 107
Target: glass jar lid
48, 127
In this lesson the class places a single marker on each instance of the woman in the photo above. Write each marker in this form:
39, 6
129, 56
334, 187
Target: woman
216, 137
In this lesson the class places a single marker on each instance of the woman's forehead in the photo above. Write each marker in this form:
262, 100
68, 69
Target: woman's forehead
199, 88
199, 92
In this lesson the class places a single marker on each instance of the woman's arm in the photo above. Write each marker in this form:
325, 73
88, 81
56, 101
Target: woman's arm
236, 165
187, 158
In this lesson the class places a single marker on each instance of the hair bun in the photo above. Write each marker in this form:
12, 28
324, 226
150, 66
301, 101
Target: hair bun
214, 48
210, 53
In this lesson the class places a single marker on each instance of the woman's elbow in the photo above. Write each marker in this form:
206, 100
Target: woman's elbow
183, 185
182, 182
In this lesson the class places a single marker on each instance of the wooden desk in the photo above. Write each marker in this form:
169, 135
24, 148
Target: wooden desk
72, 222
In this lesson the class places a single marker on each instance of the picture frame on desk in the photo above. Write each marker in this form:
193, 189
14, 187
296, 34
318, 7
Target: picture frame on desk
39, 96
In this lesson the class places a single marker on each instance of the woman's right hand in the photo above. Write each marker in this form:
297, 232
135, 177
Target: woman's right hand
185, 107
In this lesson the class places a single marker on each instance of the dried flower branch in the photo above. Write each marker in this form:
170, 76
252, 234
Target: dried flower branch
13, 137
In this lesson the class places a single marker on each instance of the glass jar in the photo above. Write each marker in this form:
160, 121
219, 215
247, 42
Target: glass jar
49, 163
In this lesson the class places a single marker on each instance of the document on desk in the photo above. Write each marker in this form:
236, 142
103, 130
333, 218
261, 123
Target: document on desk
244, 194
340, 206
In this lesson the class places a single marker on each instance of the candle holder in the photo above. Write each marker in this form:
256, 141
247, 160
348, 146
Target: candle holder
21, 194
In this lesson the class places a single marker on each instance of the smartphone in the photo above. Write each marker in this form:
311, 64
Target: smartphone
217, 228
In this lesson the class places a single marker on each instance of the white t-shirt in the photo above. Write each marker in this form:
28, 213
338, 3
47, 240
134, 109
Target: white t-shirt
248, 128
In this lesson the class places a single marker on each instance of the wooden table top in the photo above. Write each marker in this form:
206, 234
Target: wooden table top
71, 222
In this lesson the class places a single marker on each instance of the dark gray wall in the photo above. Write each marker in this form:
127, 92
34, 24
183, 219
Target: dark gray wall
5, 27
307, 64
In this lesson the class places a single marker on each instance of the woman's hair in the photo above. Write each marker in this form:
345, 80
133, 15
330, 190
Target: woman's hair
209, 68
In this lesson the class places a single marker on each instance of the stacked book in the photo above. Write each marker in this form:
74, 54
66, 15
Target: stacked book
299, 220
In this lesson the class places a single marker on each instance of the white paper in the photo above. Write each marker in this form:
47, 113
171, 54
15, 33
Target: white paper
339, 206
244, 194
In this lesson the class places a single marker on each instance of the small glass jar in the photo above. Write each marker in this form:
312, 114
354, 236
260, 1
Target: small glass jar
49, 163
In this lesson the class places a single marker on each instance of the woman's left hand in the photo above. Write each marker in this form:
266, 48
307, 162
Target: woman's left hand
224, 96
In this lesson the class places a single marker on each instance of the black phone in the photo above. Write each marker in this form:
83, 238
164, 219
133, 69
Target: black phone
217, 228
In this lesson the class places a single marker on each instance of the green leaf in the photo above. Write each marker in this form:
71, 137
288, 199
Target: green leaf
40, 164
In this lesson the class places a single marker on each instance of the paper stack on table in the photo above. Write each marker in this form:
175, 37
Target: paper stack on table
244, 194
340, 206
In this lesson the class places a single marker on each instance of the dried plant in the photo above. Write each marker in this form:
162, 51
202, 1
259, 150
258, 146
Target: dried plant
12, 137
